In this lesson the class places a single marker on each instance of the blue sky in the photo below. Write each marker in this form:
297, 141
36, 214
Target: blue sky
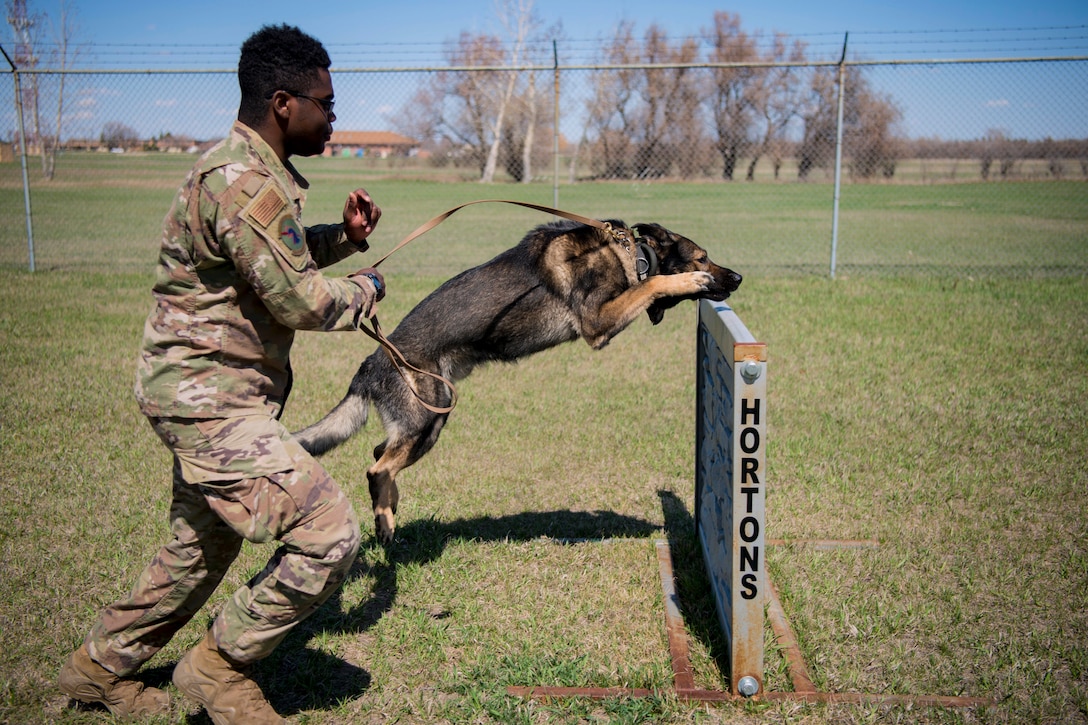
199, 34
154, 23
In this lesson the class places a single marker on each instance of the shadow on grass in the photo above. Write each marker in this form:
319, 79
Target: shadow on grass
293, 679
692, 583
296, 678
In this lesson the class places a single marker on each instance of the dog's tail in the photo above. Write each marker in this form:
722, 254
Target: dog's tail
339, 424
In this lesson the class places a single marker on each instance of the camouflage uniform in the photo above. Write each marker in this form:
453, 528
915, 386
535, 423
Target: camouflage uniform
237, 275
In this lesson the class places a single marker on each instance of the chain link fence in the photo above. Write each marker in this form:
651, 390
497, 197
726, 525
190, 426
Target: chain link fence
959, 167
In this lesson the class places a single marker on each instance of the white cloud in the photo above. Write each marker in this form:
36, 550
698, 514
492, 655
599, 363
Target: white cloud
998, 103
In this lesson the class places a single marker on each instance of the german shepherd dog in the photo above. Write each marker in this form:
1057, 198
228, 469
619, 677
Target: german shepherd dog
565, 280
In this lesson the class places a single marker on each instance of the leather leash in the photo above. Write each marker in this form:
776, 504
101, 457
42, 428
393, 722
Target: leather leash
397, 357
431, 224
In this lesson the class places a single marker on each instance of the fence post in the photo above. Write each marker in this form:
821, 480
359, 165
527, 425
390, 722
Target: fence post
555, 135
22, 157
838, 157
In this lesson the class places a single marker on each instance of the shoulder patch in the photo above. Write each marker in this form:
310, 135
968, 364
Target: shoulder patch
266, 206
272, 217
291, 236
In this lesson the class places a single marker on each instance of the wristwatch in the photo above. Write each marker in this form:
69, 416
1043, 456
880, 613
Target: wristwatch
377, 282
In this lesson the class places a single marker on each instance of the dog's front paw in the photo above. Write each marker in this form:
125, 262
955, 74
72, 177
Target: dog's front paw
693, 282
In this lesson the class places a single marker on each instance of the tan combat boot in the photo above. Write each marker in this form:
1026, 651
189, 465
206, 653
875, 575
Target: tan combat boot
206, 676
85, 680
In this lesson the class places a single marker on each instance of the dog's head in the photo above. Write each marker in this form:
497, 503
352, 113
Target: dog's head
677, 254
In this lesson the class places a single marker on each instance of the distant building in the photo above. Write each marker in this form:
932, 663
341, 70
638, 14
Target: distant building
377, 144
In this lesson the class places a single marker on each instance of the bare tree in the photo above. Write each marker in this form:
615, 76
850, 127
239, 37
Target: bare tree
116, 135
874, 140
519, 21
995, 146
530, 123
531, 110
870, 125
670, 103
817, 147
421, 118
488, 116
609, 119
642, 116
524, 140
25, 27
31, 53
775, 97
461, 103
732, 106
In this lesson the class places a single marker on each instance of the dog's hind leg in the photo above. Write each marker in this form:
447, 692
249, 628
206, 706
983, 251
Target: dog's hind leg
393, 456
382, 477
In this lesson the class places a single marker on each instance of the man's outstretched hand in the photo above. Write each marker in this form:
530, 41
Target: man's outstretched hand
361, 215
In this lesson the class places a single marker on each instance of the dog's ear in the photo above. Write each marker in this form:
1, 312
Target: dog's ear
657, 238
656, 310
655, 235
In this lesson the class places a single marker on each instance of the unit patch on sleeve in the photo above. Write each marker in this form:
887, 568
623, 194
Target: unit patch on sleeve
291, 236
271, 216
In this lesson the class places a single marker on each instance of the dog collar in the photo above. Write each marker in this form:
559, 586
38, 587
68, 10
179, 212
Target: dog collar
645, 261
645, 256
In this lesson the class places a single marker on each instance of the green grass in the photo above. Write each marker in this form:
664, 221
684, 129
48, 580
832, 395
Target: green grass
945, 419
103, 212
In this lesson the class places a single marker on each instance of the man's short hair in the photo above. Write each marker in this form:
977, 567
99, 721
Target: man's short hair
276, 58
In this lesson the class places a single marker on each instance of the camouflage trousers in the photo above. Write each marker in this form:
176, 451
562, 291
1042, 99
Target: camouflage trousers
224, 494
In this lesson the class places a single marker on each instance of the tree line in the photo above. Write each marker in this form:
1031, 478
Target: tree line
716, 106
657, 107
686, 108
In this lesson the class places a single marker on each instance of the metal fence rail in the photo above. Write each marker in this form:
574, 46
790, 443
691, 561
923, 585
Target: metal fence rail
937, 167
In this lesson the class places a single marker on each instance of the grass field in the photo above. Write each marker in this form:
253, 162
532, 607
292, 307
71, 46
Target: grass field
945, 417
103, 212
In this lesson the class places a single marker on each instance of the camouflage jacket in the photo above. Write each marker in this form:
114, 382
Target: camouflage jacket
237, 275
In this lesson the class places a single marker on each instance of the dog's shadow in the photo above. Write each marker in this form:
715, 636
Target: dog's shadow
308, 679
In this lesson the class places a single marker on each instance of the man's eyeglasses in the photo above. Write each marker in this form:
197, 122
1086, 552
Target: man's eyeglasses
325, 104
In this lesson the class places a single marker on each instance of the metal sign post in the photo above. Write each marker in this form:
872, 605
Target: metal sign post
731, 483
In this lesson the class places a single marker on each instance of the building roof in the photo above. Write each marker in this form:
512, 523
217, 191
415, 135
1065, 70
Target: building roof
370, 138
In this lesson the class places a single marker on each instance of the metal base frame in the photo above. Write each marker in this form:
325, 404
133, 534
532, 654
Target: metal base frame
683, 679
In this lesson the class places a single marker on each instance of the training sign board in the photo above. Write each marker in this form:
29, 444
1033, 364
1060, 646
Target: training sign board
731, 483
